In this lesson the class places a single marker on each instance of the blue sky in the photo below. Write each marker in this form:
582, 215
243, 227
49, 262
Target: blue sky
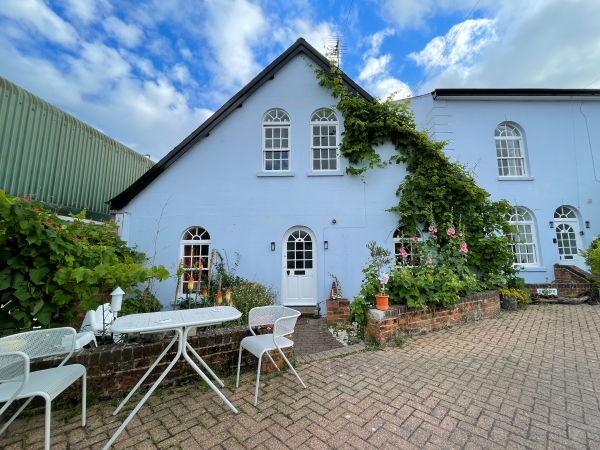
149, 72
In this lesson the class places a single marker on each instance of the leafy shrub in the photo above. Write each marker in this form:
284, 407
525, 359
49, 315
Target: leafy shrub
50, 268
592, 256
141, 302
442, 276
521, 295
247, 295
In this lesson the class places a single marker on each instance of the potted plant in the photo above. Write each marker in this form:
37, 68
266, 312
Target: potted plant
380, 257
511, 298
381, 299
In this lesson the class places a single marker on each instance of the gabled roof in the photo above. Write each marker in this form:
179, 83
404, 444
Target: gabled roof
300, 46
516, 94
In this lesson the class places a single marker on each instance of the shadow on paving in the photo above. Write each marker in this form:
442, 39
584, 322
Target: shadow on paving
313, 336
527, 379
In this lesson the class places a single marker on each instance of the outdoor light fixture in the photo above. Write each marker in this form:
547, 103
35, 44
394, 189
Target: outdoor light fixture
587, 223
551, 224
116, 301
325, 245
272, 246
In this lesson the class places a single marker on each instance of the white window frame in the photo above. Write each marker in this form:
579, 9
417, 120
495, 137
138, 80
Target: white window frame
328, 147
514, 163
408, 243
280, 124
523, 219
200, 238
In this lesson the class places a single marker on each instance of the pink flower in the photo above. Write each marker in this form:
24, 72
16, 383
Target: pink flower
430, 228
450, 231
415, 238
455, 237
460, 234
403, 253
435, 230
429, 261
463, 248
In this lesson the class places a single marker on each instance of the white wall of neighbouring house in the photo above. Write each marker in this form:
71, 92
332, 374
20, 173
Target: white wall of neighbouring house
216, 185
562, 160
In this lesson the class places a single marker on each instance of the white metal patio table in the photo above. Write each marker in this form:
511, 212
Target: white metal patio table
181, 321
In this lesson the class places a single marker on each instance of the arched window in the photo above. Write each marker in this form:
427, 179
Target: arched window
409, 244
324, 148
510, 151
524, 241
276, 140
195, 249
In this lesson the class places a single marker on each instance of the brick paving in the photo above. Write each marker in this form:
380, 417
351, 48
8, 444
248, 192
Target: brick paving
520, 380
312, 336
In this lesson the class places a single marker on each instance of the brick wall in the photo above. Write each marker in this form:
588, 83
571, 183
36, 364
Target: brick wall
113, 369
338, 310
383, 327
570, 281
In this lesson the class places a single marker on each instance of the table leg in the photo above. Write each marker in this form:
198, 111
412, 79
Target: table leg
188, 346
204, 377
180, 350
146, 374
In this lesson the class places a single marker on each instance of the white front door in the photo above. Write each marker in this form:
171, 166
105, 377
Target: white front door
567, 236
299, 286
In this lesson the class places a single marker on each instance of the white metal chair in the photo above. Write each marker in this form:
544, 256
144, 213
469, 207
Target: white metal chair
283, 321
17, 382
97, 322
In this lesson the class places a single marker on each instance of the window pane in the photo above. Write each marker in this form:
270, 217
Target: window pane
290, 264
290, 246
308, 264
333, 165
315, 141
276, 165
284, 132
269, 143
285, 164
332, 154
316, 164
308, 245
284, 143
316, 131
299, 264
268, 165
325, 164
268, 132
276, 132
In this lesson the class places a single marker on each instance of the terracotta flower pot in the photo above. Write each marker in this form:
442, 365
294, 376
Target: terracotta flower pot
382, 301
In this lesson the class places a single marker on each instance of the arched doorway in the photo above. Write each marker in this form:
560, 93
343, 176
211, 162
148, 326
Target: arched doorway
567, 236
299, 267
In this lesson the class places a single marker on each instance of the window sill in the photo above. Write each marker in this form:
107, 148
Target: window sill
516, 178
326, 173
532, 268
275, 174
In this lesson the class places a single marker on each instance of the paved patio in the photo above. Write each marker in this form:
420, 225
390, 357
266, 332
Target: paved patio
525, 379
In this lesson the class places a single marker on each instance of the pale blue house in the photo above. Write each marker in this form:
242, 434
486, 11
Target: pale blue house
262, 177
538, 149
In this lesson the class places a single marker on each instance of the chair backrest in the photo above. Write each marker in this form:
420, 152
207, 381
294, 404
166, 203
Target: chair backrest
41, 343
14, 367
282, 318
98, 321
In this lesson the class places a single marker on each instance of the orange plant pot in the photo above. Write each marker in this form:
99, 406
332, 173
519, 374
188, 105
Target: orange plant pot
382, 302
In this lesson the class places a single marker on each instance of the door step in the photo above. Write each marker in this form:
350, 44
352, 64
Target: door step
306, 310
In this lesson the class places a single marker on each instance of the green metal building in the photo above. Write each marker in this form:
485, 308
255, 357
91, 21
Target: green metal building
57, 159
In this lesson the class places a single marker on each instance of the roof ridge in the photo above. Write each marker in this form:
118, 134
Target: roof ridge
268, 73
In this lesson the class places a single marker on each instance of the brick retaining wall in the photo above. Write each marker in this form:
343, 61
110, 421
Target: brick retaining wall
570, 281
383, 327
338, 311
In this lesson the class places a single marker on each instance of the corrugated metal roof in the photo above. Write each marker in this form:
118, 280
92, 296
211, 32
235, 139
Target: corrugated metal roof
55, 158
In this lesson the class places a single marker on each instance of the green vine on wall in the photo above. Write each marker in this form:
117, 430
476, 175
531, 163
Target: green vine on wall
434, 185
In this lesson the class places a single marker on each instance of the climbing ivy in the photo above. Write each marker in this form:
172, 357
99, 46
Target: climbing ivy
434, 185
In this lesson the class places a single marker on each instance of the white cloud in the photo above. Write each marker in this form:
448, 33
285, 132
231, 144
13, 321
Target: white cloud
375, 74
128, 35
459, 46
413, 14
551, 43
85, 11
35, 14
233, 28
